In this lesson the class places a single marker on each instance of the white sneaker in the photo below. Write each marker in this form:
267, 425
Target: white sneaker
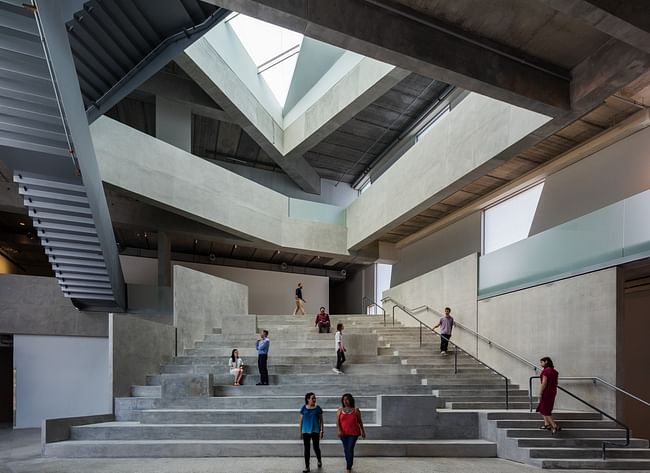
336, 371
443, 353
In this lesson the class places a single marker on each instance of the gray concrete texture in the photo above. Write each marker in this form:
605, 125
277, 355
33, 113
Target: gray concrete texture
137, 347
478, 129
573, 321
20, 453
200, 302
454, 285
34, 305
188, 185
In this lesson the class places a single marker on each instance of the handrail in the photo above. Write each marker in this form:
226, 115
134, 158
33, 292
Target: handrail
365, 299
595, 379
601, 412
482, 337
403, 308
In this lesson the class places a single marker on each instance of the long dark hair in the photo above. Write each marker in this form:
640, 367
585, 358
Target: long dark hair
350, 400
307, 396
548, 361
232, 355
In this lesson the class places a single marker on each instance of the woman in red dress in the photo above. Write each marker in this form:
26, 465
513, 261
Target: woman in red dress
547, 392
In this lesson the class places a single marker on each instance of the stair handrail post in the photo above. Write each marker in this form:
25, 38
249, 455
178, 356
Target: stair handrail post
455, 361
420, 334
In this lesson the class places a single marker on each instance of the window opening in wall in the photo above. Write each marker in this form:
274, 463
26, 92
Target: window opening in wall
382, 282
509, 221
274, 51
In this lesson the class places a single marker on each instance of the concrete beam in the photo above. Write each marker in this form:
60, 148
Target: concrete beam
398, 35
628, 22
605, 72
186, 92
208, 69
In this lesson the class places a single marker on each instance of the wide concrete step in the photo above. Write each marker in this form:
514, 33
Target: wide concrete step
582, 464
264, 402
137, 431
486, 399
563, 442
459, 394
576, 453
357, 368
281, 359
323, 344
567, 433
251, 415
145, 391
269, 448
250, 353
566, 424
472, 406
330, 389
526, 415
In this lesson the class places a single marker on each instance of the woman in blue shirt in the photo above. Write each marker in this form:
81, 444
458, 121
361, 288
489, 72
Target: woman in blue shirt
311, 428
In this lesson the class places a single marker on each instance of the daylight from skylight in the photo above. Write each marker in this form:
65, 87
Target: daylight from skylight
274, 51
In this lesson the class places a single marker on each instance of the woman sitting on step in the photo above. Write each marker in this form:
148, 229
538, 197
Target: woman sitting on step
236, 365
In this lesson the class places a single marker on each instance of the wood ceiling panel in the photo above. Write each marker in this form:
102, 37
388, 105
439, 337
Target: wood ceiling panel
513, 168
459, 198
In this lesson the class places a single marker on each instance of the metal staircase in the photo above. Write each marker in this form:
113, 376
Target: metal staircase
56, 76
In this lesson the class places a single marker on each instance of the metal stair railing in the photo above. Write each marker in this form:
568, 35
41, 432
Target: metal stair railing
600, 411
594, 379
367, 302
404, 309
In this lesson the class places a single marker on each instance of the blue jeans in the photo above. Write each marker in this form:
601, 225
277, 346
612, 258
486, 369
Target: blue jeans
349, 441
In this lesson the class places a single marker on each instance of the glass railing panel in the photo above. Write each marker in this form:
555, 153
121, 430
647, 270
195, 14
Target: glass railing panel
316, 212
637, 224
579, 243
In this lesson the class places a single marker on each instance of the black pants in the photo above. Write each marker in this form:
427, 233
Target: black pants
323, 329
444, 342
315, 438
340, 358
261, 365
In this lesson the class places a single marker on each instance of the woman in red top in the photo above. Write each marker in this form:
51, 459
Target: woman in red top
547, 391
348, 427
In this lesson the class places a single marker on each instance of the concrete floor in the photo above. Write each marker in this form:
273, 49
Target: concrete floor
20, 453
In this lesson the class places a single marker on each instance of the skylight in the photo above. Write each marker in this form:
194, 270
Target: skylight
274, 51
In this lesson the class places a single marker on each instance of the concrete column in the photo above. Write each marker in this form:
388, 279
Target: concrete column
174, 123
164, 260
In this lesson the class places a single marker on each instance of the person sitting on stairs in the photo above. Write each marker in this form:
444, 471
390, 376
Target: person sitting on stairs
236, 366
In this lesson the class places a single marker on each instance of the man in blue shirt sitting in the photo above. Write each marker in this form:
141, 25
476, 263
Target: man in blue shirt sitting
262, 347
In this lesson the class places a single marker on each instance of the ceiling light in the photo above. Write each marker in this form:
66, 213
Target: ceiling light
22, 224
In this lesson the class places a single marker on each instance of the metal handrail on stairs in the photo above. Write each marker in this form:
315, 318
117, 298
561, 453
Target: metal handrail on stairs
601, 412
403, 308
367, 302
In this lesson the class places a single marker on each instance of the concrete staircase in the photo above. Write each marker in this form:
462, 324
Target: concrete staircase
252, 420
577, 446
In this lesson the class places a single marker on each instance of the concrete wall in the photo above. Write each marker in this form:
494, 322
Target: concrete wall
608, 176
269, 292
572, 320
441, 248
634, 351
137, 347
453, 285
60, 377
35, 305
190, 186
200, 300
475, 131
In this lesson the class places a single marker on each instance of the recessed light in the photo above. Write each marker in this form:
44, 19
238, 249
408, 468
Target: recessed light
22, 224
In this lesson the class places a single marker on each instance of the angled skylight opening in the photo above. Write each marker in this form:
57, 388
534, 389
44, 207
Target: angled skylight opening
273, 49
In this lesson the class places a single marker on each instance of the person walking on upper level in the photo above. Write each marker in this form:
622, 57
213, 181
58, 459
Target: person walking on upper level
311, 428
349, 427
340, 349
262, 347
322, 321
446, 325
300, 302
547, 391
